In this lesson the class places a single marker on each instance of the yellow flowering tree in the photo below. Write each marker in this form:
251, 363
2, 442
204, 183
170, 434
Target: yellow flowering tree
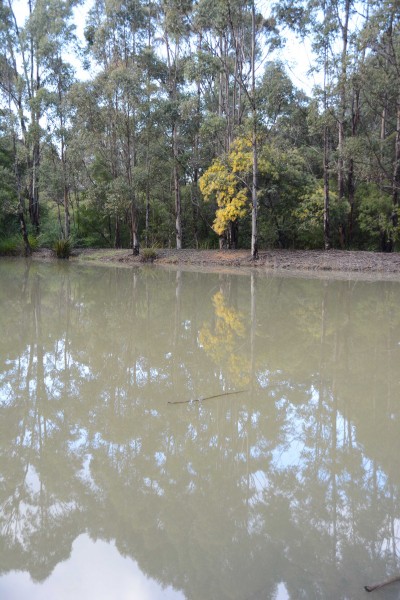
225, 182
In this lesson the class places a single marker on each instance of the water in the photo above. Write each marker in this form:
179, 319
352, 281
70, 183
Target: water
130, 470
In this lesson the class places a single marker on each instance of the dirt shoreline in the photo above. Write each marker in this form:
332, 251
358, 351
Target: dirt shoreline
316, 262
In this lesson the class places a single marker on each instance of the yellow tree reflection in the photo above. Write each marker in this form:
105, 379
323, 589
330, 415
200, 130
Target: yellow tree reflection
223, 340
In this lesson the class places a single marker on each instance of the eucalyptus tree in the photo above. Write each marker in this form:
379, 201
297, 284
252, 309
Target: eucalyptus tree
333, 27
261, 38
175, 34
28, 52
59, 111
380, 39
12, 172
117, 35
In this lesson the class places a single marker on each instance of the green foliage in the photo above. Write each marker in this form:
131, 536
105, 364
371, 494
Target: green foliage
63, 248
208, 244
309, 217
112, 142
91, 227
13, 245
10, 246
34, 242
8, 199
375, 217
148, 255
283, 181
50, 226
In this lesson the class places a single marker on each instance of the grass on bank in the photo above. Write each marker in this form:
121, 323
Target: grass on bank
14, 245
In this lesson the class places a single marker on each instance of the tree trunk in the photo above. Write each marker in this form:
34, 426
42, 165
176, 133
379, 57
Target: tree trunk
233, 231
34, 188
21, 215
254, 199
342, 101
134, 226
178, 207
67, 220
173, 92
35, 126
117, 240
327, 228
355, 119
396, 172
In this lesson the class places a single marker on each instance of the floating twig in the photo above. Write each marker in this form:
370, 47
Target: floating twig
378, 586
207, 397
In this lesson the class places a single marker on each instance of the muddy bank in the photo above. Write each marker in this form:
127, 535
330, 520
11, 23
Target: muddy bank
305, 261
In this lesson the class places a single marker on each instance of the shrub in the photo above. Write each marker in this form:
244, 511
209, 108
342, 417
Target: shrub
309, 218
375, 218
148, 254
33, 242
10, 246
62, 248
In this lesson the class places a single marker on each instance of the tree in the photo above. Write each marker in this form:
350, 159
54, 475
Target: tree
225, 182
175, 31
117, 36
381, 36
32, 71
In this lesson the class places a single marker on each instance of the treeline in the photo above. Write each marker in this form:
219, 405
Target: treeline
187, 131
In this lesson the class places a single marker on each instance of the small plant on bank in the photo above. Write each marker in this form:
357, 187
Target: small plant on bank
148, 255
62, 248
33, 242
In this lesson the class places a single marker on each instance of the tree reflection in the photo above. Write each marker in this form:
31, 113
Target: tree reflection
295, 481
223, 339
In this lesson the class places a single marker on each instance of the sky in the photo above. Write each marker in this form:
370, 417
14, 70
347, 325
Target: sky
95, 569
296, 54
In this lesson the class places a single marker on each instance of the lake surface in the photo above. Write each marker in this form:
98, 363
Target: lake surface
171, 435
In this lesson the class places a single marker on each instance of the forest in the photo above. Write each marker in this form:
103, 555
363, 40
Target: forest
176, 123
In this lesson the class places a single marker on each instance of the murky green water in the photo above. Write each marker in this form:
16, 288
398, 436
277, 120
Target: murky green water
129, 471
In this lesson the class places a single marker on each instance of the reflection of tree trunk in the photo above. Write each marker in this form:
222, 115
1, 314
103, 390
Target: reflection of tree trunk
374, 505
66, 305
253, 318
178, 297
41, 393
334, 475
319, 425
392, 524
177, 327
334, 449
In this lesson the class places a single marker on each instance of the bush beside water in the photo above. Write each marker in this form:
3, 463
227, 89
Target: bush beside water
148, 254
62, 248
